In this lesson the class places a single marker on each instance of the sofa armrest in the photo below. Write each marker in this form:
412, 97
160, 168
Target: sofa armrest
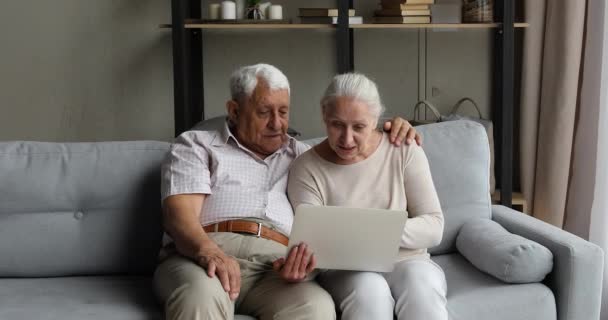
576, 279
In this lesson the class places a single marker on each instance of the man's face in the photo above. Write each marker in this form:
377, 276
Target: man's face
261, 121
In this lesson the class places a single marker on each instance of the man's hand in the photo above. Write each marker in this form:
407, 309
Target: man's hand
227, 268
300, 262
401, 129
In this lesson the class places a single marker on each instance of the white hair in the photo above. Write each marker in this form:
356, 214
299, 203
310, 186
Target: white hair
356, 86
244, 80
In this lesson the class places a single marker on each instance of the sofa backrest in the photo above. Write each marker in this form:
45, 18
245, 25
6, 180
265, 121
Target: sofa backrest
459, 157
79, 208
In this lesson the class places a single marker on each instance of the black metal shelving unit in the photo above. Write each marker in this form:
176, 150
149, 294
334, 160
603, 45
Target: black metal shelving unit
188, 75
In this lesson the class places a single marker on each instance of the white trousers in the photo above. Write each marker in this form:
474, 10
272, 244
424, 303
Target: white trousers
415, 290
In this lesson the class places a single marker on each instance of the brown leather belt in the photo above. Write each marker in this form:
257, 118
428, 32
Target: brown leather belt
250, 227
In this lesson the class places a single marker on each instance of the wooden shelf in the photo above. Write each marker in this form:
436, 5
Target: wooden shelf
257, 26
434, 26
353, 26
188, 78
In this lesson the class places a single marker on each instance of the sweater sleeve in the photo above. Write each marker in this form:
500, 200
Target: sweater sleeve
302, 189
424, 227
301, 186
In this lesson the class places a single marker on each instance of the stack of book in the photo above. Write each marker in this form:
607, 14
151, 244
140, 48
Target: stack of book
404, 11
326, 16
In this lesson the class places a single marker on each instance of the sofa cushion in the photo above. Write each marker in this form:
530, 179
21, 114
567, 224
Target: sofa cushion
79, 208
211, 124
78, 298
474, 295
506, 256
459, 158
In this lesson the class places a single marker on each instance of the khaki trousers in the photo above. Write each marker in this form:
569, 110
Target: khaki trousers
187, 292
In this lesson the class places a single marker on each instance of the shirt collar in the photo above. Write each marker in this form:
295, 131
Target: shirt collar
224, 135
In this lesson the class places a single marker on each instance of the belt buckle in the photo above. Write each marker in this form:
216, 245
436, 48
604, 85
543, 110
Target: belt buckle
259, 230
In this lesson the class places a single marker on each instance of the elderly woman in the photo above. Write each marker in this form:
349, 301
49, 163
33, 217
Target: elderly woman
356, 166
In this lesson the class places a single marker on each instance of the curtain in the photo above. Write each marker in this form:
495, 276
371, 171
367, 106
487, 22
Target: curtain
587, 208
553, 48
564, 118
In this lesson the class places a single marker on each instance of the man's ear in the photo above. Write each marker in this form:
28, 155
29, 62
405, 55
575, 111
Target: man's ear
232, 107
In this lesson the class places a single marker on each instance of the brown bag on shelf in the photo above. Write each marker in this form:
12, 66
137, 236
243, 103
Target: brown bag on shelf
487, 124
417, 119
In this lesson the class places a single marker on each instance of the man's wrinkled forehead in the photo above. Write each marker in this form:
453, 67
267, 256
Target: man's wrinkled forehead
263, 93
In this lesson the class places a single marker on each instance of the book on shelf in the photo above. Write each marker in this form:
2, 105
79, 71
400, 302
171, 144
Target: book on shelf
401, 13
397, 3
322, 12
400, 6
403, 20
330, 20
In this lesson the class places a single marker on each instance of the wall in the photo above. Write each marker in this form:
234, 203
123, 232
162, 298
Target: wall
74, 70
91, 71
407, 64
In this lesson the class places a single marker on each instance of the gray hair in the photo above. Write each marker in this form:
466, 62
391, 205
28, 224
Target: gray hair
244, 80
356, 86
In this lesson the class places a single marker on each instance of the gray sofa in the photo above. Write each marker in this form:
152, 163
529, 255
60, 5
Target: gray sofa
80, 230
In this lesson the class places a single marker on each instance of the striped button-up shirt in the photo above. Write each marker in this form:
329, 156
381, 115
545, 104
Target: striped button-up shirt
238, 184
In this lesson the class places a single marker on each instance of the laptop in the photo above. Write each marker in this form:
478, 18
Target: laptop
349, 238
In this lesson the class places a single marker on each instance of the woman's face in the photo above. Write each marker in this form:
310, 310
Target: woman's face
350, 126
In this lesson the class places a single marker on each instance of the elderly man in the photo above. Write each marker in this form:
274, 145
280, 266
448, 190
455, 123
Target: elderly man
227, 215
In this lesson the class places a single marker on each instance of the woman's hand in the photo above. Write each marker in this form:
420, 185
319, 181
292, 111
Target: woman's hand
300, 262
400, 129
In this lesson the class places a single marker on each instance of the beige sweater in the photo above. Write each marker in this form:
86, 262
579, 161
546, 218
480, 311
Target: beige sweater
396, 178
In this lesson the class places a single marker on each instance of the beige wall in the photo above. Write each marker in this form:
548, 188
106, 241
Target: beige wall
73, 70
101, 70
